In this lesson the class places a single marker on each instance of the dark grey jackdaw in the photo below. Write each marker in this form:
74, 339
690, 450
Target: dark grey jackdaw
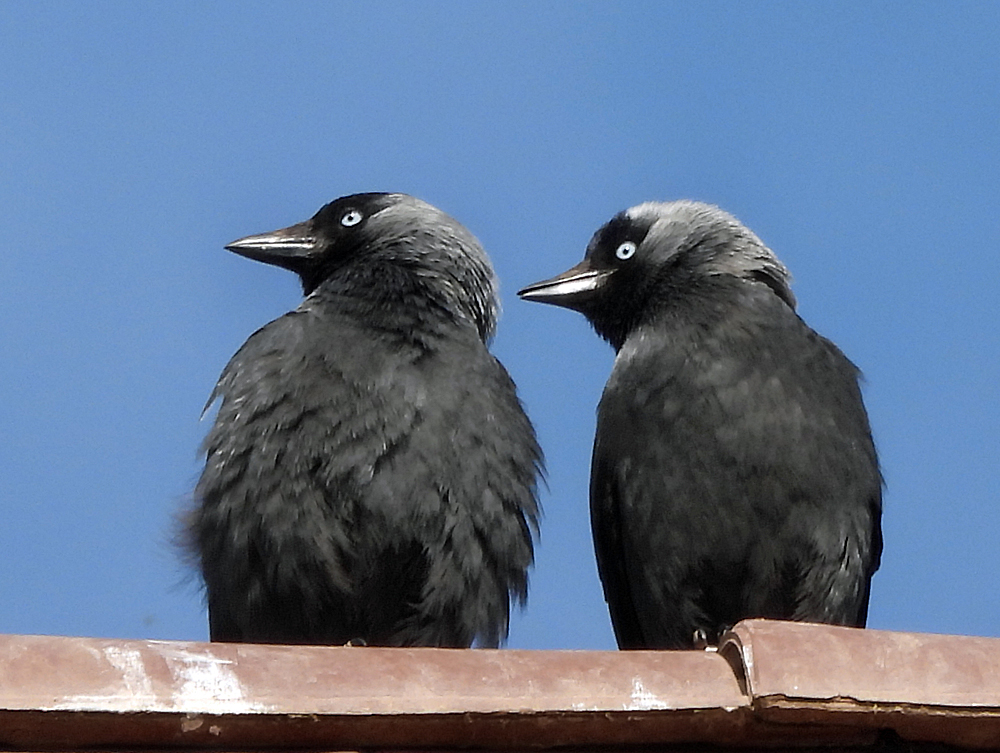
734, 473
371, 475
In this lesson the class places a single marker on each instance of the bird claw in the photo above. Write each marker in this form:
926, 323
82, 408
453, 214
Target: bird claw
701, 642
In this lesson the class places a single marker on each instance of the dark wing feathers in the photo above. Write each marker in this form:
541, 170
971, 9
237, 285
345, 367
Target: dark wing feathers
607, 513
383, 506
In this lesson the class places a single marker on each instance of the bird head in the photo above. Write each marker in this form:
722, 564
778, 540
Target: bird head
385, 246
651, 254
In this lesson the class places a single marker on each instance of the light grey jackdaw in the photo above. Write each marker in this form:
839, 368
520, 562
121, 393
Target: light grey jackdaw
371, 475
734, 473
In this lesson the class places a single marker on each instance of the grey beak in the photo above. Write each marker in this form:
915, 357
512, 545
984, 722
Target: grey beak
287, 247
571, 289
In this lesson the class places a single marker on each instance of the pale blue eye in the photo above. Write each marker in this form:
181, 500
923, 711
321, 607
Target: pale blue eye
626, 250
351, 218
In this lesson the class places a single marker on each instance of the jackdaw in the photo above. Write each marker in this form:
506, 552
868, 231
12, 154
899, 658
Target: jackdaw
371, 474
734, 473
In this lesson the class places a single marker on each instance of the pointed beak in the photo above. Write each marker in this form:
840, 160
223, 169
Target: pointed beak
288, 247
573, 288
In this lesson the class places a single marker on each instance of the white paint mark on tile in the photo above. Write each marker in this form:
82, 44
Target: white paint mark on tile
137, 694
200, 684
642, 699
207, 684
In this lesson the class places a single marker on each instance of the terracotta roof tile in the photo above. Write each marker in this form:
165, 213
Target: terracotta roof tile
774, 684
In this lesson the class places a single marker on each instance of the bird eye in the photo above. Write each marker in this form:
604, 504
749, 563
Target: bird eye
351, 218
626, 250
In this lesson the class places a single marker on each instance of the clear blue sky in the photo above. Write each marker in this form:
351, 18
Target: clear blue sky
861, 141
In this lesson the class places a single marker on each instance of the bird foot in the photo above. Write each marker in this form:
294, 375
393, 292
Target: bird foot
701, 642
